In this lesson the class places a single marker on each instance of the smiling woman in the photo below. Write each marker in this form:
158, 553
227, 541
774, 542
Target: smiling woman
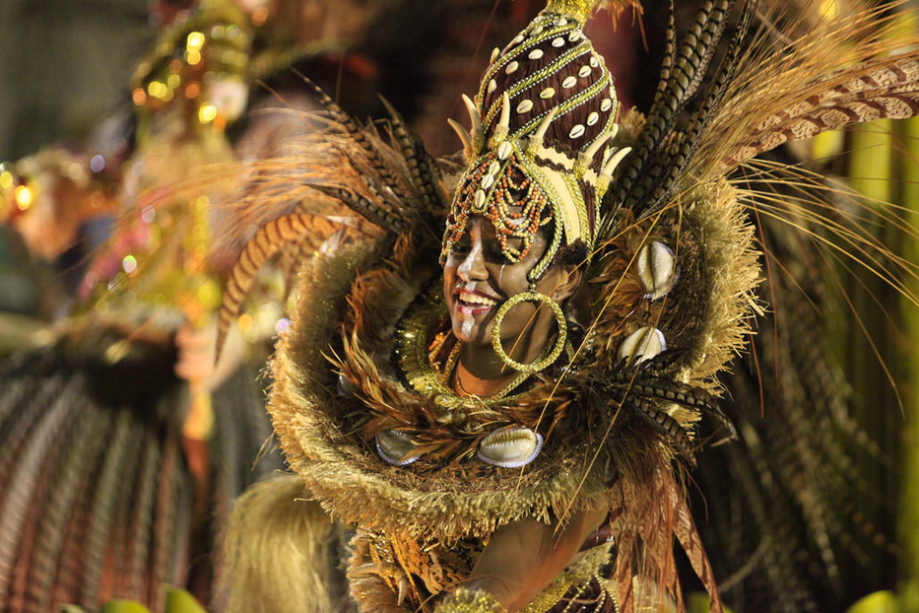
478, 279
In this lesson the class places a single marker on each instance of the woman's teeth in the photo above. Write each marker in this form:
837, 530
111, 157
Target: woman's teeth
477, 299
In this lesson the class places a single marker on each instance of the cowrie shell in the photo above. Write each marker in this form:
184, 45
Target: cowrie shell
510, 448
657, 269
395, 447
547, 93
504, 150
492, 86
479, 198
345, 388
561, 21
511, 67
642, 345
558, 42
606, 105
525, 106
577, 131
569, 82
536, 54
488, 181
594, 62
493, 168
584, 71
575, 36
593, 118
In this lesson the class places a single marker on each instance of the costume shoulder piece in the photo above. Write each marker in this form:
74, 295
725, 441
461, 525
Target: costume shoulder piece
645, 207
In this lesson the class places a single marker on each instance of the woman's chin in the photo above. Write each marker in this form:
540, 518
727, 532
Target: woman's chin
472, 325
471, 332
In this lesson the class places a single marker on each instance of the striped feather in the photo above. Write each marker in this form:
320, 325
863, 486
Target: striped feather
677, 83
422, 169
56, 575
359, 136
888, 91
17, 492
107, 490
366, 208
30, 550
121, 546
142, 516
666, 425
271, 238
841, 72
163, 518
662, 177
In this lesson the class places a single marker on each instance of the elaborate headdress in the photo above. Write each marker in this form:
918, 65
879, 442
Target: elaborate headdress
538, 151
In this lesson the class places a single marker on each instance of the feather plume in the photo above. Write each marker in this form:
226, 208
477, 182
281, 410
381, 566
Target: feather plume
308, 231
847, 70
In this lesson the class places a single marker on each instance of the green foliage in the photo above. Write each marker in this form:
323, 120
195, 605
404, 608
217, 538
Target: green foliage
698, 602
177, 601
180, 601
124, 606
878, 602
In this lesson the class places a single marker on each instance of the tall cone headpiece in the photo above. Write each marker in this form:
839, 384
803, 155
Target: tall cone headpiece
541, 122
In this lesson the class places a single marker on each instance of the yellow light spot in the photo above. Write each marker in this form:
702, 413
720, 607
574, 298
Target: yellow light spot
245, 323
209, 295
6, 180
207, 113
193, 58
174, 81
129, 264
157, 89
139, 96
195, 41
24, 197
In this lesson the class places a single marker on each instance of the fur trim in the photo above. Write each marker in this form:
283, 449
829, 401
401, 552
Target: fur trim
279, 551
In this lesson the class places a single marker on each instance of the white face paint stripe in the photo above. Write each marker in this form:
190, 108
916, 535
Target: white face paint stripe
466, 267
468, 322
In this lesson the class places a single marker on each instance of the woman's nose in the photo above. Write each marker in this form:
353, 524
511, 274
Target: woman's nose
472, 268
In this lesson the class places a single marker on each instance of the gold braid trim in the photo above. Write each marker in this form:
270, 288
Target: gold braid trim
581, 9
468, 601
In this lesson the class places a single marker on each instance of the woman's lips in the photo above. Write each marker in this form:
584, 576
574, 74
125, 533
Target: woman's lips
474, 302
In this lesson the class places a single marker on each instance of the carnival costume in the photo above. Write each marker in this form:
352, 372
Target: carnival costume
368, 403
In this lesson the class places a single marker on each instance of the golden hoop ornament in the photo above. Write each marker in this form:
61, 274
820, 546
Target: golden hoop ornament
559, 343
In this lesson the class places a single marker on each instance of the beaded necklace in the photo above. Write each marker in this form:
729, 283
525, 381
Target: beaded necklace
451, 371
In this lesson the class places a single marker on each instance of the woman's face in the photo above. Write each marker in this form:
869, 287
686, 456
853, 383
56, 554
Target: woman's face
478, 279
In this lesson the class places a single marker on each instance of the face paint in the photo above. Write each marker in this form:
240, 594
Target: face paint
478, 279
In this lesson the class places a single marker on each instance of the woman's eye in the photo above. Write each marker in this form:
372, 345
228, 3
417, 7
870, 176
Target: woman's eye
459, 247
494, 254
